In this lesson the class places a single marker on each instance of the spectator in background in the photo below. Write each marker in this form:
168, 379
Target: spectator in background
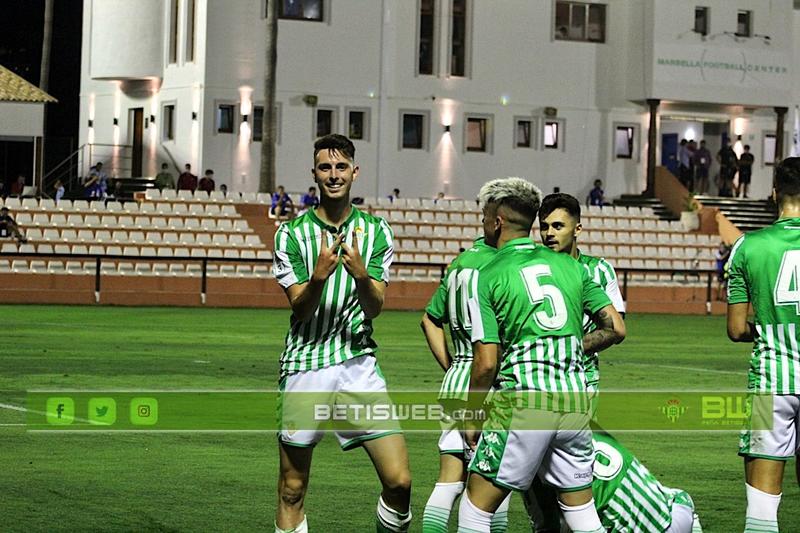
597, 196
58, 189
728, 162
395, 194
223, 189
8, 227
96, 183
439, 198
18, 186
187, 181
309, 200
721, 255
745, 171
117, 193
685, 161
702, 162
207, 182
164, 179
281, 202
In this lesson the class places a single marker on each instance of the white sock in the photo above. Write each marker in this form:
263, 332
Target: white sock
471, 519
392, 520
302, 527
500, 517
762, 510
437, 511
582, 518
696, 527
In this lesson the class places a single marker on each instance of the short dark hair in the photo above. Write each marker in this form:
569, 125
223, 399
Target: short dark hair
746, 146
787, 178
164, 165
560, 200
336, 142
209, 171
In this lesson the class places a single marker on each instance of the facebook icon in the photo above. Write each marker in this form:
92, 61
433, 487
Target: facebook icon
60, 411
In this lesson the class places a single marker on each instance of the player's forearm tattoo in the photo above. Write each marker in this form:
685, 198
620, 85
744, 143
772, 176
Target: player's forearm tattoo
604, 336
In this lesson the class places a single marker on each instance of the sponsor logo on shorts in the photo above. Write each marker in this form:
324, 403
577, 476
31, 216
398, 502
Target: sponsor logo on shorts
583, 475
484, 465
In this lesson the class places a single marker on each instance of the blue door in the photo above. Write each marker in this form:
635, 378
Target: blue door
669, 152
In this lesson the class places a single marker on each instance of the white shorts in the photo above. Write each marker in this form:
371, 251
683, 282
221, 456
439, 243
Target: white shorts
451, 441
562, 456
334, 385
782, 413
683, 518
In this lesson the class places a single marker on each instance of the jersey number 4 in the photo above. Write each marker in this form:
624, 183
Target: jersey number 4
787, 289
542, 292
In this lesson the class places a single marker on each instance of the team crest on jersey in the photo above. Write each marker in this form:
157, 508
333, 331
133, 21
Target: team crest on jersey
673, 410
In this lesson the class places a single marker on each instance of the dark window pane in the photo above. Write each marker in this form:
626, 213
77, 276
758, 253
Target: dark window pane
426, 47
743, 24
701, 20
413, 131
551, 135
596, 29
623, 142
324, 122
225, 118
523, 134
301, 9
258, 123
577, 23
476, 134
173, 32
169, 122
356, 124
190, 30
458, 60
562, 20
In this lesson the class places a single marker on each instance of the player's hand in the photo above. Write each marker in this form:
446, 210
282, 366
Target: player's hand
328, 258
472, 433
352, 260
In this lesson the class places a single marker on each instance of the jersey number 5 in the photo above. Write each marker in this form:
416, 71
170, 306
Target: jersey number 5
787, 289
539, 293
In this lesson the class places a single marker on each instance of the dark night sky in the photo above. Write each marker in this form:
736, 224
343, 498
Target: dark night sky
21, 49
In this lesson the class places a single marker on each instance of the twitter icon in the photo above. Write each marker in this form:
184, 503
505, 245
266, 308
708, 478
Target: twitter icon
102, 411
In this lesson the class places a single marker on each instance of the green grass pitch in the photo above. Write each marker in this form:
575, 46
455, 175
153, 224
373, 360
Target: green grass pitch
216, 482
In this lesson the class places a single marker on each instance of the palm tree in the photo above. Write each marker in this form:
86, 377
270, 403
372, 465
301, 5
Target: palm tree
269, 137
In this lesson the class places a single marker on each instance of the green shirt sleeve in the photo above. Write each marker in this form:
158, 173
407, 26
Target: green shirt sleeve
437, 307
737, 284
485, 328
594, 297
382, 253
288, 265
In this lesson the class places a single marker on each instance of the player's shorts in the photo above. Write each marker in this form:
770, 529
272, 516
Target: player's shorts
451, 441
510, 456
593, 392
782, 414
338, 385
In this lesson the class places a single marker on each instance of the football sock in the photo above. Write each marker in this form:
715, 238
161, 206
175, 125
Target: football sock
437, 510
302, 527
500, 517
762, 511
696, 527
471, 519
390, 521
582, 518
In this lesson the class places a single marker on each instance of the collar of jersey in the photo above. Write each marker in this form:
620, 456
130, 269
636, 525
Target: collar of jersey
787, 219
513, 243
312, 214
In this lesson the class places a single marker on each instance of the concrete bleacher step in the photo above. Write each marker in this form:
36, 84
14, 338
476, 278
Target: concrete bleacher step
637, 200
746, 213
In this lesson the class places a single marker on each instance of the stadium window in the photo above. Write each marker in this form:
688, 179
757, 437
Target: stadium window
190, 30
168, 121
744, 23
325, 121
301, 10
624, 137
579, 21
258, 123
413, 130
551, 134
173, 31
426, 42
459, 38
224, 118
522, 133
478, 133
701, 20
769, 149
358, 123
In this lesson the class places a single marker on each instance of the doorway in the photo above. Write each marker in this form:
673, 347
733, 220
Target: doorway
712, 131
137, 140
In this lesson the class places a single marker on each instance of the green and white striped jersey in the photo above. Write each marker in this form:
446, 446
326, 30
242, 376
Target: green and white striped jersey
531, 301
764, 269
604, 275
628, 498
450, 303
338, 330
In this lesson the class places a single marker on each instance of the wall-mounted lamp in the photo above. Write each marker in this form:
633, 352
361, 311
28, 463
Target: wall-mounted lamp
91, 123
194, 115
766, 38
245, 118
152, 119
116, 121
447, 128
